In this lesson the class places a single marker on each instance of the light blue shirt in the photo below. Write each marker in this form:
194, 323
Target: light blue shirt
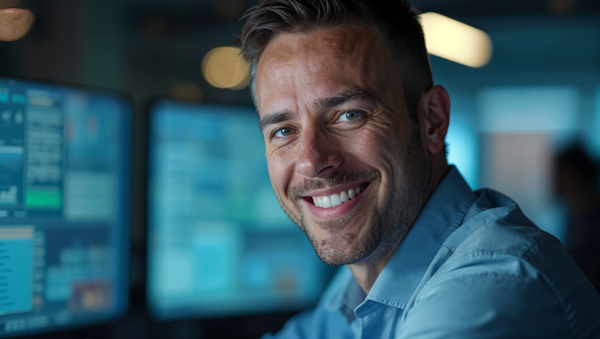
472, 266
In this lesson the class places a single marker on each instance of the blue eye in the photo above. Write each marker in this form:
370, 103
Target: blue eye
350, 115
283, 132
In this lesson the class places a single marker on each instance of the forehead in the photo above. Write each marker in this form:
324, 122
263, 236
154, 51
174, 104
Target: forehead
327, 42
320, 63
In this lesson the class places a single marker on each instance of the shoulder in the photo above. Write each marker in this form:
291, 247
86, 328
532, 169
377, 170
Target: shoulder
486, 305
497, 239
495, 227
505, 278
488, 293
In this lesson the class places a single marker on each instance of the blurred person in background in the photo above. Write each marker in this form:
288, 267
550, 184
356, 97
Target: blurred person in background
354, 131
576, 182
16, 19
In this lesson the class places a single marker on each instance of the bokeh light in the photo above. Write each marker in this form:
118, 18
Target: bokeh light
224, 67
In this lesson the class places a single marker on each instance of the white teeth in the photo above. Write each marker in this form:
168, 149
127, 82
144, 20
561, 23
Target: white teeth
344, 196
326, 202
336, 199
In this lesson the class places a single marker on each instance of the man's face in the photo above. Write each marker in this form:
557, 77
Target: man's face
15, 20
335, 121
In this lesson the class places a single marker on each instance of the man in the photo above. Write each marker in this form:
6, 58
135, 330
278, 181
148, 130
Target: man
354, 132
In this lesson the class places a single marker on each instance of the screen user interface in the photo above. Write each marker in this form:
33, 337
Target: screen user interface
219, 243
64, 216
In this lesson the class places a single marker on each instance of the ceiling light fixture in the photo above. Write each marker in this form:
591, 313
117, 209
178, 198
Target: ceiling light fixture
456, 41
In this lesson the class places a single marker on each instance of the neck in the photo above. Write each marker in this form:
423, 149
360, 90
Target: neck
366, 271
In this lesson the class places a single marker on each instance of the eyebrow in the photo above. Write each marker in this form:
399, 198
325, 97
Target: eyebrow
274, 118
352, 94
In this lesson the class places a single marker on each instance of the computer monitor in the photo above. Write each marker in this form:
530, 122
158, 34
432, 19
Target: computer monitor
219, 243
64, 206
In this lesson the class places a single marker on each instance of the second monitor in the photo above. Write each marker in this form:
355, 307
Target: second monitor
219, 243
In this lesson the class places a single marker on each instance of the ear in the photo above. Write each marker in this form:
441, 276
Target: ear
435, 117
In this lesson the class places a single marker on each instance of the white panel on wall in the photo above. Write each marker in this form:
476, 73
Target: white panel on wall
521, 166
528, 108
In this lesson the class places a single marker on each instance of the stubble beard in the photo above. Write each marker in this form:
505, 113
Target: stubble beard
386, 227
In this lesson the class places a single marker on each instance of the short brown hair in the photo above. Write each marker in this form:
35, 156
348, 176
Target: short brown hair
395, 20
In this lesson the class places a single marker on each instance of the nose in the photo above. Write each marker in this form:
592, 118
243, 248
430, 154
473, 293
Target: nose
318, 155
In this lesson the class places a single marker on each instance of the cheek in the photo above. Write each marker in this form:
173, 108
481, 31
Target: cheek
374, 148
382, 151
281, 170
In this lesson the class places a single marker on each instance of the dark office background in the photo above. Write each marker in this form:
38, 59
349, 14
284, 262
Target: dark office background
155, 48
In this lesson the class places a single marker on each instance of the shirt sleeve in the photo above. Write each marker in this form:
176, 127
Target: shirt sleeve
486, 306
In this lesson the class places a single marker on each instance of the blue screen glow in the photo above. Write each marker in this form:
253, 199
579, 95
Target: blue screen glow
64, 206
219, 243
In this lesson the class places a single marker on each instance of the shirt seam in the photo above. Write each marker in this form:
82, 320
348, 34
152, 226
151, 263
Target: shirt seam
482, 253
554, 290
475, 254
532, 245
486, 224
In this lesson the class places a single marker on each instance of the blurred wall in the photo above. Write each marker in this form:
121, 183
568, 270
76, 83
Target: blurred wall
538, 94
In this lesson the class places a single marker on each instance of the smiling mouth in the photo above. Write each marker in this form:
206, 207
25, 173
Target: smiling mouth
336, 199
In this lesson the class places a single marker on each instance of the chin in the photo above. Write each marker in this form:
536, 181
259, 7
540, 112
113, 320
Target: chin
345, 247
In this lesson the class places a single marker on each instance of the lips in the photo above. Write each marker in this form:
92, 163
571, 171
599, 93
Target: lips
336, 199
341, 208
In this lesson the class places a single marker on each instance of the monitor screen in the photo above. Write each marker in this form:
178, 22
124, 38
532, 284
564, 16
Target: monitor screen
64, 206
219, 243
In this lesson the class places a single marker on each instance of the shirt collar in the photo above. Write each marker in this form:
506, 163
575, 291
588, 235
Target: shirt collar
348, 296
442, 214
